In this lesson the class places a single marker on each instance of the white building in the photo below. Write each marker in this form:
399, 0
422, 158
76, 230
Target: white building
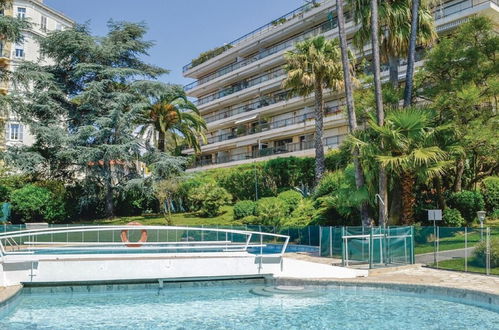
239, 93
44, 20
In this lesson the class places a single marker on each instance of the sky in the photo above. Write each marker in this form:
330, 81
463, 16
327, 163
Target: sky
181, 29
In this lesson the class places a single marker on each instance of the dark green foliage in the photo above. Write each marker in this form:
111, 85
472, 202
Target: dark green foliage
480, 253
4, 194
210, 198
271, 211
209, 54
292, 198
468, 203
303, 214
490, 193
251, 220
453, 218
337, 159
244, 209
37, 204
244, 182
290, 172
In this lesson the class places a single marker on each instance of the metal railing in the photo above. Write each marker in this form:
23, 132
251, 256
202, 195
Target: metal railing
269, 26
451, 9
240, 85
122, 239
330, 142
267, 126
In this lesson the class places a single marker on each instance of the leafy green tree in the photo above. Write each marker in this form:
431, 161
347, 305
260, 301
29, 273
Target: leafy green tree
173, 117
313, 66
459, 78
82, 108
211, 198
271, 211
37, 204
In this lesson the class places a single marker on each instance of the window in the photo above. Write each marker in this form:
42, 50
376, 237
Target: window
19, 53
43, 24
21, 12
58, 27
15, 132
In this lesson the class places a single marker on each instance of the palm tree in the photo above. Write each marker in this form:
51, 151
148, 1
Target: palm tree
352, 118
313, 66
411, 54
395, 29
173, 118
410, 151
380, 114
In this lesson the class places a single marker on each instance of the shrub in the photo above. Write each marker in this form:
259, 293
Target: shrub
4, 194
37, 204
242, 182
210, 199
480, 253
251, 220
291, 198
271, 211
303, 214
244, 209
290, 172
490, 192
467, 203
453, 218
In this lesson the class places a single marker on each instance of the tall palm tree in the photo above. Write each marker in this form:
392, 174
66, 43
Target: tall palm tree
395, 29
411, 54
313, 66
380, 114
352, 118
410, 151
172, 117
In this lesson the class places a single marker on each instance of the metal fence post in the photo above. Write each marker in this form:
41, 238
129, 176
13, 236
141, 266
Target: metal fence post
487, 251
320, 242
465, 249
330, 241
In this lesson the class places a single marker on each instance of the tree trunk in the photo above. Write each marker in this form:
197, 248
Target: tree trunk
458, 182
109, 190
352, 119
437, 182
319, 132
393, 63
161, 141
395, 216
411, 54
380, 114
408, 198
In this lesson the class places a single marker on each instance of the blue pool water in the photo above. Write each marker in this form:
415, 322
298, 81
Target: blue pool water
233, 307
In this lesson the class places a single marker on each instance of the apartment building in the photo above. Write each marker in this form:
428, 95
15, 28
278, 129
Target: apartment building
44, 20
239, 92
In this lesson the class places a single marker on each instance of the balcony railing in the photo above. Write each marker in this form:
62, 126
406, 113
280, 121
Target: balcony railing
250, 106
269, 26
331, 142
274, 73
451, 9
263, 127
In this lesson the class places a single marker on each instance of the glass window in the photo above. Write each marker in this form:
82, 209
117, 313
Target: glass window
43, 23
19, 52
21, 12
15, 132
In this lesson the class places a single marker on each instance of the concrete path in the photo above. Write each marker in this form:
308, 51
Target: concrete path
428, 258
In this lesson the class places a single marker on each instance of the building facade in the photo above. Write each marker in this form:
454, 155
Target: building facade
239, 91
43, 20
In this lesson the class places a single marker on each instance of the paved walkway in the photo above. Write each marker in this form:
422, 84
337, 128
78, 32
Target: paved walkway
428, 258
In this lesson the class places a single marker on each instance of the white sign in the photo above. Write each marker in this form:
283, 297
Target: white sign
435, 215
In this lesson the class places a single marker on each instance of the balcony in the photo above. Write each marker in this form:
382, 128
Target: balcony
267, 27
239, 86
330, 142
263, 126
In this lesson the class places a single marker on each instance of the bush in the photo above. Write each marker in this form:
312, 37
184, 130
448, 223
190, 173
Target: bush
490, 193
290, 172
37, 204
240, 182
271, 211
210, 199
467, 203
251, 220
291, 198
480, 253
4, 194
303, 214
453, 218
244, 209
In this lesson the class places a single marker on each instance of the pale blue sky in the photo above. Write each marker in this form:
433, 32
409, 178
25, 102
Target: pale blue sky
181, 29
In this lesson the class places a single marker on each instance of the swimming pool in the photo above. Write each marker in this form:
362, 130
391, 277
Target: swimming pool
234, 307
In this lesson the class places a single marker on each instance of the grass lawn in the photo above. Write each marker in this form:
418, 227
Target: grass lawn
179, 219
458, 264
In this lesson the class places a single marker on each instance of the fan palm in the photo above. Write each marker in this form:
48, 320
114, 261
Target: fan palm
175, 119
411, 151
395, 28
313, 66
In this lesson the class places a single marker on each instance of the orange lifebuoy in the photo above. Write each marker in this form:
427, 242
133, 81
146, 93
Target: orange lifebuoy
143, 235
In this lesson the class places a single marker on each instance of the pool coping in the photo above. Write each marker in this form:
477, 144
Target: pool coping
8, 293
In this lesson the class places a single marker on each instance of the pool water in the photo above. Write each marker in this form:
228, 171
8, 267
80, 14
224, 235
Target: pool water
234, 307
